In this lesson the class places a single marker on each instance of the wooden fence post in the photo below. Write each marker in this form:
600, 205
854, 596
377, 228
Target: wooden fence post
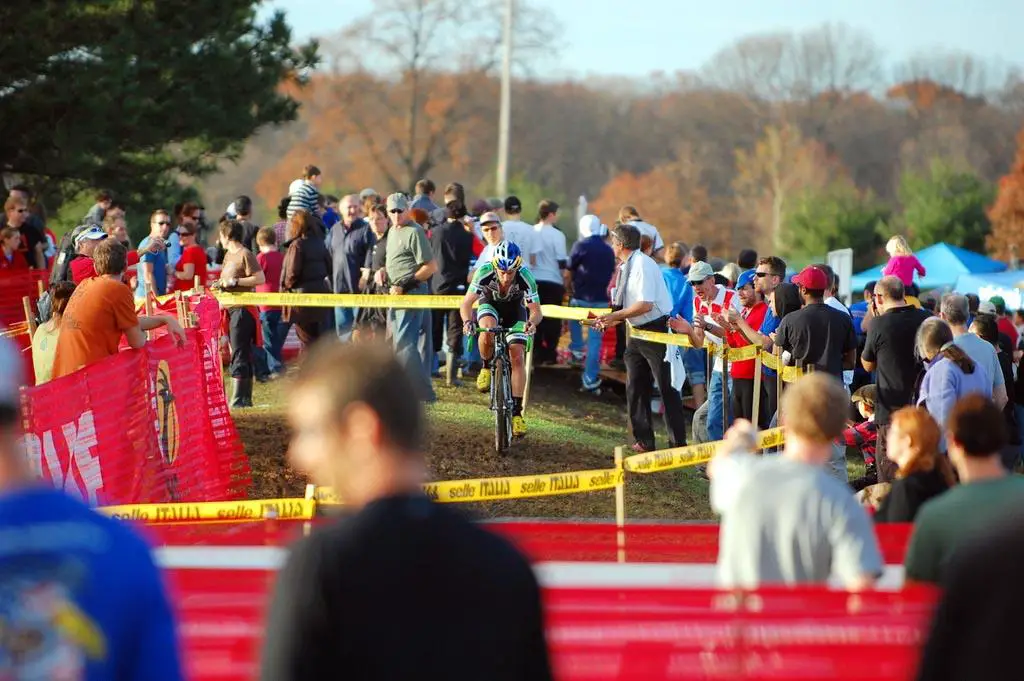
30, 318
725, 387
620, 509
755, 414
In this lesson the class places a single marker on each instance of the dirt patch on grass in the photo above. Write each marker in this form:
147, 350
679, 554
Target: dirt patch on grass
578, 433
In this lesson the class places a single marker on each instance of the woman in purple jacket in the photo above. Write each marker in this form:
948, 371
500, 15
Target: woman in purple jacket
949, 373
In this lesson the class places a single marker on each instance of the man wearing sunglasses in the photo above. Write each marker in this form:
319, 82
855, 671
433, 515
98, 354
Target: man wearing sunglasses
33, 243
153, 256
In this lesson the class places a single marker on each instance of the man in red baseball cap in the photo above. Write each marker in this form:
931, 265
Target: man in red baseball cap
820, 336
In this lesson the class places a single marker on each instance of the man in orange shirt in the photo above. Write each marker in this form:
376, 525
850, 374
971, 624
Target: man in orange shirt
100, 311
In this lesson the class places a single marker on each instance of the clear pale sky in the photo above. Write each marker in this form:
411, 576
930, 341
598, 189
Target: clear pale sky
670, 35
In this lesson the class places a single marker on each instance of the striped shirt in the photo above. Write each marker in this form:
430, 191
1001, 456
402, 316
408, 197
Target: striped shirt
303, 198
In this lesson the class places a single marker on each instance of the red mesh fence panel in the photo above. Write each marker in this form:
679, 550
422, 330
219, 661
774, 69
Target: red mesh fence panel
623, 634
14, 286
142, 426
667, 543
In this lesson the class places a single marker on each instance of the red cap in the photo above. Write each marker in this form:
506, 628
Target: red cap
812, 278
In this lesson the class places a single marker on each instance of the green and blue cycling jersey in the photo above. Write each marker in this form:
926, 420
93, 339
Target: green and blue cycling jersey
522, 290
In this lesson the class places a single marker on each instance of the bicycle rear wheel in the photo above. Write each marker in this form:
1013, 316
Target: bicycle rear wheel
502, 411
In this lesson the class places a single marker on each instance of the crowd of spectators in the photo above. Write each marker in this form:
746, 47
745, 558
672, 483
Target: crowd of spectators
924, 387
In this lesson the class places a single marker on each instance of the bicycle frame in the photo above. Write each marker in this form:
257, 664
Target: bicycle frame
502, 403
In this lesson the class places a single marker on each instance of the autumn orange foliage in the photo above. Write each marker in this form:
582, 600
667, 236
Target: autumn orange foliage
665, 197
1007, 214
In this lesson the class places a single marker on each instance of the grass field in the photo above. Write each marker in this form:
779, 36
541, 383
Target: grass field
567, 431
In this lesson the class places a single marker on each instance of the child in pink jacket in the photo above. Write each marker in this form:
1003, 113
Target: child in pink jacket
902, 261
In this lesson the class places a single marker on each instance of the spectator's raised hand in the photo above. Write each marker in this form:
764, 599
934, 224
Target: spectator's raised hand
679, 325
732, 317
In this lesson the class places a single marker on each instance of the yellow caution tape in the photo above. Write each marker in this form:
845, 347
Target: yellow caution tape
551, 484
769, 361
573, 313
493, 489
667, 459
691, 455
262, 509
411, 302
773, 437
682, 340
790, 374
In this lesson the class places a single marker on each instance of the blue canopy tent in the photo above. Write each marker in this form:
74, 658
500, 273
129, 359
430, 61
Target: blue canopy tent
944, 264
1009, 285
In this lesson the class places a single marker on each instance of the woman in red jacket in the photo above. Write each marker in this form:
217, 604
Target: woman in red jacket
10, 258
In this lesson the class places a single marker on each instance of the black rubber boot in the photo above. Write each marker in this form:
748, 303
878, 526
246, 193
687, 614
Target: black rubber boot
241, 393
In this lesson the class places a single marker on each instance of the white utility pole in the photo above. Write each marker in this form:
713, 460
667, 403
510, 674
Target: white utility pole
505, 119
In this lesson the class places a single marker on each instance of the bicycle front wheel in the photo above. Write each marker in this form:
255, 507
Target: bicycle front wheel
502, 411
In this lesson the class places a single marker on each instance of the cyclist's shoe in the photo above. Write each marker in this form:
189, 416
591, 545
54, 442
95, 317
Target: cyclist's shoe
518, 426
483, 380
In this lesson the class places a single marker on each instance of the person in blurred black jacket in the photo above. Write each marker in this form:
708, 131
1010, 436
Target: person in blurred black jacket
976, 628
452, 243
402, 588
985, 327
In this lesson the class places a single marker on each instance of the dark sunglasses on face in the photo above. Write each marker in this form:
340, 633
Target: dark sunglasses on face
396, 212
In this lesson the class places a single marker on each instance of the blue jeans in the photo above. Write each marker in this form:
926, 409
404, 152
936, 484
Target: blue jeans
344, 320
274, 334
594, 337
715, 407
695, 361
414, 344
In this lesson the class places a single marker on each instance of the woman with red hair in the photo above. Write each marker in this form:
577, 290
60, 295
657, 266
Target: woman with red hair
924, 472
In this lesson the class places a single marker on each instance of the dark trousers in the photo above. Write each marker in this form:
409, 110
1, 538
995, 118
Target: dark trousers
886, 469
620, 341
743, 402
242, 334
769, 397
453, 320
309, 331
454, 323
645, 362
550, 330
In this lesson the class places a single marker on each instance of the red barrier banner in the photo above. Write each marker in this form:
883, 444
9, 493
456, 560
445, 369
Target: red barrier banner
143, 426
622, 634
15, 285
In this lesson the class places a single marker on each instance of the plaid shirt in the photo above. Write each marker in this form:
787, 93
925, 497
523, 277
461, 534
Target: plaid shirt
863, 436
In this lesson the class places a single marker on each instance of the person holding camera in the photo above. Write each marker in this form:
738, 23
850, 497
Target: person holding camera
889, 351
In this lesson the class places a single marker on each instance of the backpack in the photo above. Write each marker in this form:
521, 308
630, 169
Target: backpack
61, 271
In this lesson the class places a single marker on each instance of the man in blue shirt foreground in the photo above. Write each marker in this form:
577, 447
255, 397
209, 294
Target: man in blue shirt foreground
80, 596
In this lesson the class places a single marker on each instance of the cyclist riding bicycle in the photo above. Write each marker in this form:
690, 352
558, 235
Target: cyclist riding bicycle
508, 295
